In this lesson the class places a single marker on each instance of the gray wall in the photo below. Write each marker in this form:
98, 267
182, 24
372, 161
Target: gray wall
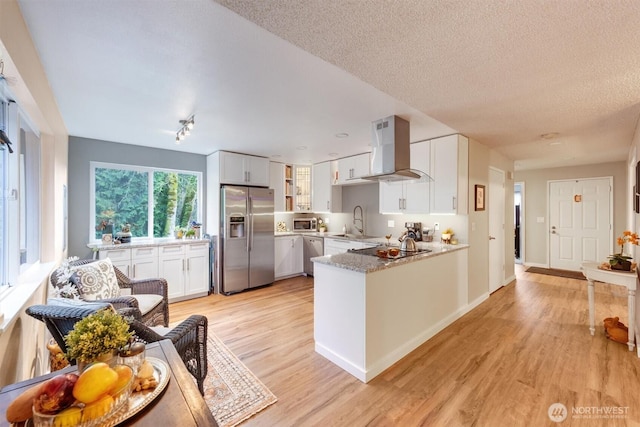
84, 150
536, 202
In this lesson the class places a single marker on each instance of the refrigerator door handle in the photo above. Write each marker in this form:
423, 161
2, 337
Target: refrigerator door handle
250, 236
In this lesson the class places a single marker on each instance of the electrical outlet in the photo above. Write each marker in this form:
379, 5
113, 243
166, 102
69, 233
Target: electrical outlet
436, 226
326, 220
391, 223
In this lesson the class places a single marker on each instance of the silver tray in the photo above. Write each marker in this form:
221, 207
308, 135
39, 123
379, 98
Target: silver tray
139, 400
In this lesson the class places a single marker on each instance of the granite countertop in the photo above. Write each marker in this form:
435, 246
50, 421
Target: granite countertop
332, 235
369, 264
142, 243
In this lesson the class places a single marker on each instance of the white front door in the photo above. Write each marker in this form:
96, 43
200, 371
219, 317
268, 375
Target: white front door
580, 215
496, 206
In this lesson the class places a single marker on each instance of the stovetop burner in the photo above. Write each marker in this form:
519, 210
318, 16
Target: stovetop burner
401, 254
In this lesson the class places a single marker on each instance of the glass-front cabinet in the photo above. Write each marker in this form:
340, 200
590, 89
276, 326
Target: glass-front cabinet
303, 188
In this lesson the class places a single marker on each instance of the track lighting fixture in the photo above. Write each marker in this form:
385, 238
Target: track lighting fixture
185, 130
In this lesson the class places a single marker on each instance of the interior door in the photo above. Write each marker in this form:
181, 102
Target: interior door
579, 222
496, 206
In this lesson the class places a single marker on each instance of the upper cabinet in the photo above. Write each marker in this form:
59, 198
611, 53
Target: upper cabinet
278, 184
291, 186
302, 185
326, 197
450, 173
350, 169
410, 196
242, 169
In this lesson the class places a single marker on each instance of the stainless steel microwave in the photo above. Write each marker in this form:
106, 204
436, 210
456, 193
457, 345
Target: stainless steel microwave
305, 224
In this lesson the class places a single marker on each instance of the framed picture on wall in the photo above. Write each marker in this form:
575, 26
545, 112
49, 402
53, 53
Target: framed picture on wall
480, 197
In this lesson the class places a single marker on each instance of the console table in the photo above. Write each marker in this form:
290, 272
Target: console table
626, 279
180, 403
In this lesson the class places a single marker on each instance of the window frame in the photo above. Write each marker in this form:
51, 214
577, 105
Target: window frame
15, 197
93, 165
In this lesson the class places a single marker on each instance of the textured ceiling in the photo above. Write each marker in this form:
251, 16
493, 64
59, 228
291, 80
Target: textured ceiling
295, 73
501, 72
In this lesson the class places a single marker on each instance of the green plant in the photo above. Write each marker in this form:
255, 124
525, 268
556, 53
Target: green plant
102, 332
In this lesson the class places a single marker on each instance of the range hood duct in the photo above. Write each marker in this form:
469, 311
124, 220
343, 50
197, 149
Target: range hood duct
390, 154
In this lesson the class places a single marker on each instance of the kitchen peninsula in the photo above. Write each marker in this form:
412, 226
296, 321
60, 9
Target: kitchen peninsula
371, 312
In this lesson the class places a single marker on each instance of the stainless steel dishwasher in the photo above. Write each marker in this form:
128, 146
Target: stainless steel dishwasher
313, 247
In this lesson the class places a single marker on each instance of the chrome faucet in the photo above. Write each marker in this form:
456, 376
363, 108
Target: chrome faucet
361, 229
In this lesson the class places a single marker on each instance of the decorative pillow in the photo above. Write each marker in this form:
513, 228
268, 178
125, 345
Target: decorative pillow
96, 280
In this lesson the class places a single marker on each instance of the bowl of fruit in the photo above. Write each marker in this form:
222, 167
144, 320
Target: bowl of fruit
84, 400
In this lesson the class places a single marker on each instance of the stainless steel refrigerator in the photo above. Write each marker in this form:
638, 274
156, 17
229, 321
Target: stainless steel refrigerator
246, 241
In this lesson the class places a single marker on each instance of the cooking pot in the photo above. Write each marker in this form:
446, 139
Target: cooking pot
408, 244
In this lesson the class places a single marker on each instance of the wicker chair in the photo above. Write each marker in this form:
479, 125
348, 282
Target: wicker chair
189, 337
153, 315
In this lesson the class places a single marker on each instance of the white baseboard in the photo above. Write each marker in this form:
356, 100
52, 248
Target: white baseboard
365, 375
509, 280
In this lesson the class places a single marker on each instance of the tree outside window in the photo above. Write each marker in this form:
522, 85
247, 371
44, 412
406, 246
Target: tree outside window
141, 197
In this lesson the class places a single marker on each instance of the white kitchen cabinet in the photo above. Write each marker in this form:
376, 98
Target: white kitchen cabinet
120, 258
172, 269
353, 167
288, 254
409, 196
302, 185
278, 184
197, 269
243, 169
449, 190
144, 262
326, 197
135, 263
185, 266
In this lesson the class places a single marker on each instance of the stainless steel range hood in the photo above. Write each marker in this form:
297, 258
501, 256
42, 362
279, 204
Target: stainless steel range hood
390, 154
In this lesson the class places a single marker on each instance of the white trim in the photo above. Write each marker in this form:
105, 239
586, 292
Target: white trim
523, 221
13, 304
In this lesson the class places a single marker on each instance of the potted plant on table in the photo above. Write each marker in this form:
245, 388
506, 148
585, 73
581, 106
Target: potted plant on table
97, 337
621, 261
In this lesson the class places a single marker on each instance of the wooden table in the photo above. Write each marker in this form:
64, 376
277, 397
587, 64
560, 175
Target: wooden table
627, 279
179, 404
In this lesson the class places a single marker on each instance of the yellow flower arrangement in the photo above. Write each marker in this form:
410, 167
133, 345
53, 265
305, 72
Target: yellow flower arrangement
620, 258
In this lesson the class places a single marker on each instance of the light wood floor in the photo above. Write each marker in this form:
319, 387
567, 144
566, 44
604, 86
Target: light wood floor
502, 364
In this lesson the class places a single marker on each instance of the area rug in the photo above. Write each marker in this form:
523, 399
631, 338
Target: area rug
231, 390
555, 272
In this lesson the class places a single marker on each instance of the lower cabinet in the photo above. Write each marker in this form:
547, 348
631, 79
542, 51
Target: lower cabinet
172, 269
197, 273
288, 253
135, 263
186, 270
183, 264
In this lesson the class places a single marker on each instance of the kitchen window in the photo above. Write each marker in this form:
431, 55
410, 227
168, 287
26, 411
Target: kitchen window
153, 202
